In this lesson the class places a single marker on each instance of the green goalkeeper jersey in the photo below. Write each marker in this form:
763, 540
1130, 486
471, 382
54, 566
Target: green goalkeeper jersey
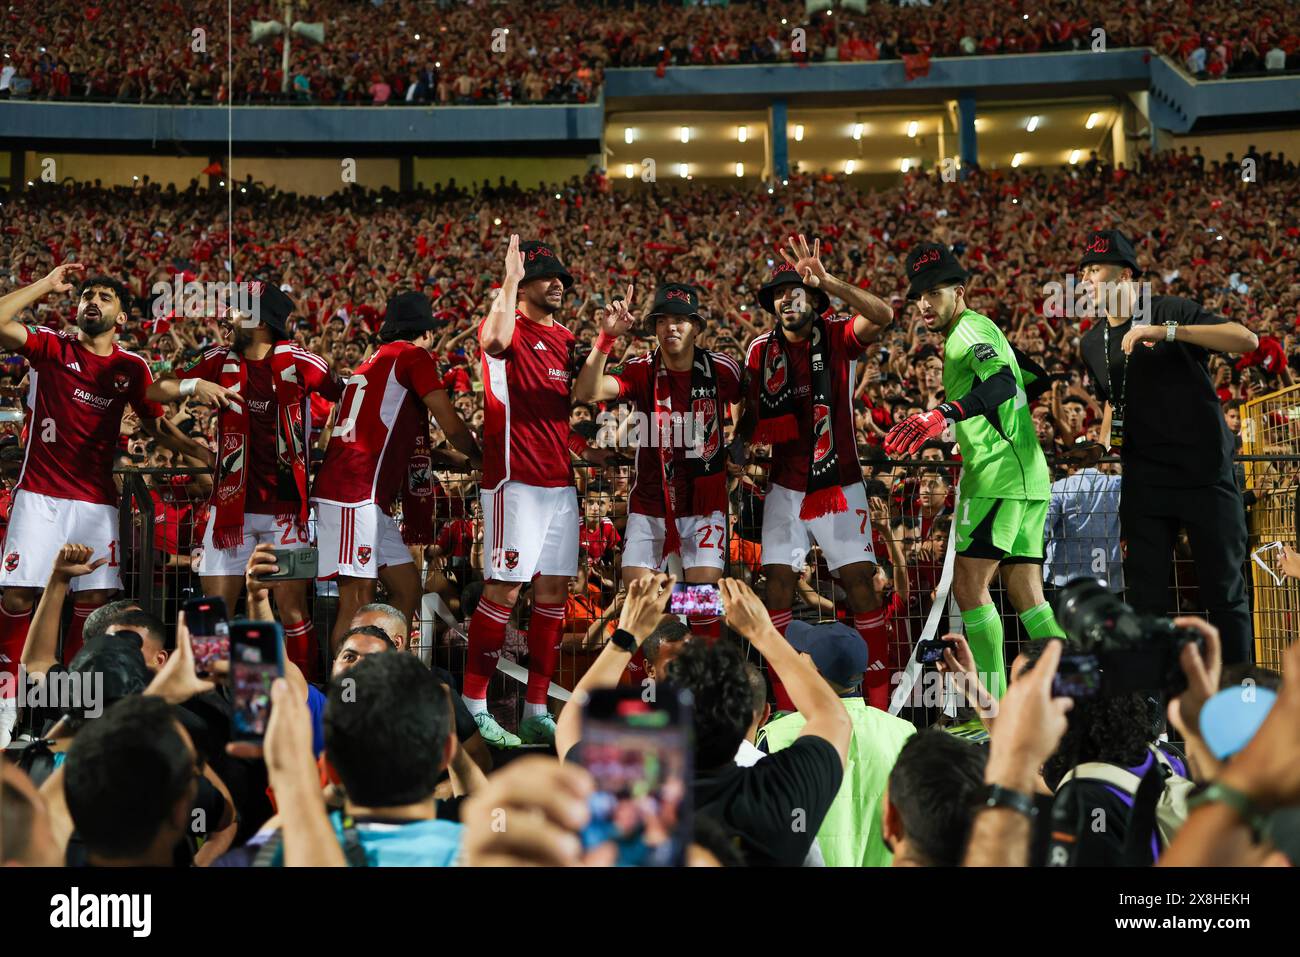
1000, 454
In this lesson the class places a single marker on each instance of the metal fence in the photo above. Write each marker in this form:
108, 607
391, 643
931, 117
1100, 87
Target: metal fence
162, 511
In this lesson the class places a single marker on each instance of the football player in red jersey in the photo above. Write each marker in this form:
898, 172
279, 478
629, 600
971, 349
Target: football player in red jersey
800, 400
681, 476
385, 405
79, 386
259, 493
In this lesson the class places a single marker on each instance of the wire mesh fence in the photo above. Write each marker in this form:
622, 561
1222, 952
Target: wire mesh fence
164, 510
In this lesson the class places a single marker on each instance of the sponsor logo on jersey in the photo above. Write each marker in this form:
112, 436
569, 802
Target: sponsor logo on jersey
121, 381
512, 558
558, 374
363, 554
11, 561
540, 347
98, 401
821, 431
259, 406
775, 371
74, 366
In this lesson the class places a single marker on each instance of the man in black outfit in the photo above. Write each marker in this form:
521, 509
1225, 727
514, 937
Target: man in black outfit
1163, 416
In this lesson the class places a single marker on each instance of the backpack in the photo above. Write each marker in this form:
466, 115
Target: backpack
1159, 797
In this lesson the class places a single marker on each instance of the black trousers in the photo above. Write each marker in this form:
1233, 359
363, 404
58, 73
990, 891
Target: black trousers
1215, 519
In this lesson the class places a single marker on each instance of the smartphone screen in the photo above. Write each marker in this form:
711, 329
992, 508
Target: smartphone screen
695, 600
255, 663
639, 752
209, 631
931, 650
1077, 676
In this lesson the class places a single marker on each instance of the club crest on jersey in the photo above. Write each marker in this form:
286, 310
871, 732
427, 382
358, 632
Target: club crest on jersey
512, 558
363, 554
775, 371
822, 440
121, 382
232, 467
704, 411
11, 561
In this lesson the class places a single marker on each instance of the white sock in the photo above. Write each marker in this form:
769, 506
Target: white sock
533, 710
475, 705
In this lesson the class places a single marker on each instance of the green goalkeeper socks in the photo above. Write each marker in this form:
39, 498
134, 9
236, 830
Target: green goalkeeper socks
1040, 622
984, 635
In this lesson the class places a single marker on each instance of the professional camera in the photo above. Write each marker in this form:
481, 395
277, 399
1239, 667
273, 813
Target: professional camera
1122, 652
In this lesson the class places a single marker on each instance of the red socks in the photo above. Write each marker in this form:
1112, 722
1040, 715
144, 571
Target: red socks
544, 634
705, 626
74, 637
780, 621
300, 646
487, 633
871, 626
13, 636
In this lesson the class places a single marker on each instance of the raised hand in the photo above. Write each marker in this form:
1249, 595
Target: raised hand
618, 318
807, 263
73, 561
514, 260
60, 278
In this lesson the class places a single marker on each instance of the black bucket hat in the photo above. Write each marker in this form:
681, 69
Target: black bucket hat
674, 299
930, 265
785, 275
1110, 246
540, 262
408, 312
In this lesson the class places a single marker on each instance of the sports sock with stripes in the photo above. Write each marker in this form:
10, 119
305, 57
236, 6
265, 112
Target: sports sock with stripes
487, 633
1039, 622
544, 634
871, 626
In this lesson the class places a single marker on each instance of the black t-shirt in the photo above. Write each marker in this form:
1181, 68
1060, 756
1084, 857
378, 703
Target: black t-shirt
1174, 431
776, 807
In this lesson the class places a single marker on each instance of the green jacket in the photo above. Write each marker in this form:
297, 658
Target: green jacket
850, 836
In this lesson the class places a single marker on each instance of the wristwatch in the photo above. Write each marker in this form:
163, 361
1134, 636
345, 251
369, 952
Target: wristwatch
995, 795
1170, 329
624, 641
1242, 805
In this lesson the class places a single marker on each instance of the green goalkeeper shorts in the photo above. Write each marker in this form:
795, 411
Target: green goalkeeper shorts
1007, 529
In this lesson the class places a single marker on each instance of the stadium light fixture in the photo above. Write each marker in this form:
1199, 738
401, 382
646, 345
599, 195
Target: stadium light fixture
496, 221
905, 165
686, 134
798, 133
417, 36
911, 129
628, 135
857, 131
628, 171
683, 170
1032, 124
740, 169
1074, 157
848, 168
437, 64
1092, 120
742, 133
1015, 160
557, 195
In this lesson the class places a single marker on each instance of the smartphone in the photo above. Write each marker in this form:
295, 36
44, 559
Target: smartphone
11, 415
209, 627
689, 599
255, 662
295, 563
640, 753
1077, 676
930, 650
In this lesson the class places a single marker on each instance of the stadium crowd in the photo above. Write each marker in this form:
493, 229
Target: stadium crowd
1202, 232
402, 51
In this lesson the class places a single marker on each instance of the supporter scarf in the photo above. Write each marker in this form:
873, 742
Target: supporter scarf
290, 460
417, 493
708, 485
777, 422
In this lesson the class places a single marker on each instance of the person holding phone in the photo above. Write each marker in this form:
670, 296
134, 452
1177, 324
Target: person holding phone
678, 503
262, 384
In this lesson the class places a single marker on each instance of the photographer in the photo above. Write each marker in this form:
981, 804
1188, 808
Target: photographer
1149, 363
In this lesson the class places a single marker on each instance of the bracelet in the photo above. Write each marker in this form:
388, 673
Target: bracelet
623, 640
605, 342
189, 386
996, 796
1241, 805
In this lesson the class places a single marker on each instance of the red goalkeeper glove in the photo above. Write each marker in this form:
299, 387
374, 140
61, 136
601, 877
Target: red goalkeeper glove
906, 438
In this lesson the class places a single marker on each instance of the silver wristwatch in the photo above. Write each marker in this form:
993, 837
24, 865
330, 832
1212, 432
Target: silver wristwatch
1170, 329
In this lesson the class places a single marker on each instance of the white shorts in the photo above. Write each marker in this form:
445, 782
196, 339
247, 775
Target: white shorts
529, 530
703, 541
207, 559
39, 525
844, 537
356, 541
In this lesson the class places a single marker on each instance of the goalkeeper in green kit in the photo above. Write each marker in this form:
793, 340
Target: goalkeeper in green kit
1005, 485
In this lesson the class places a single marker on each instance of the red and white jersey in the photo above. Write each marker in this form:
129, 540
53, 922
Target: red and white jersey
379, 418
599, 543
790, 459
314, 378
636, 384
74, 410
526, 407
